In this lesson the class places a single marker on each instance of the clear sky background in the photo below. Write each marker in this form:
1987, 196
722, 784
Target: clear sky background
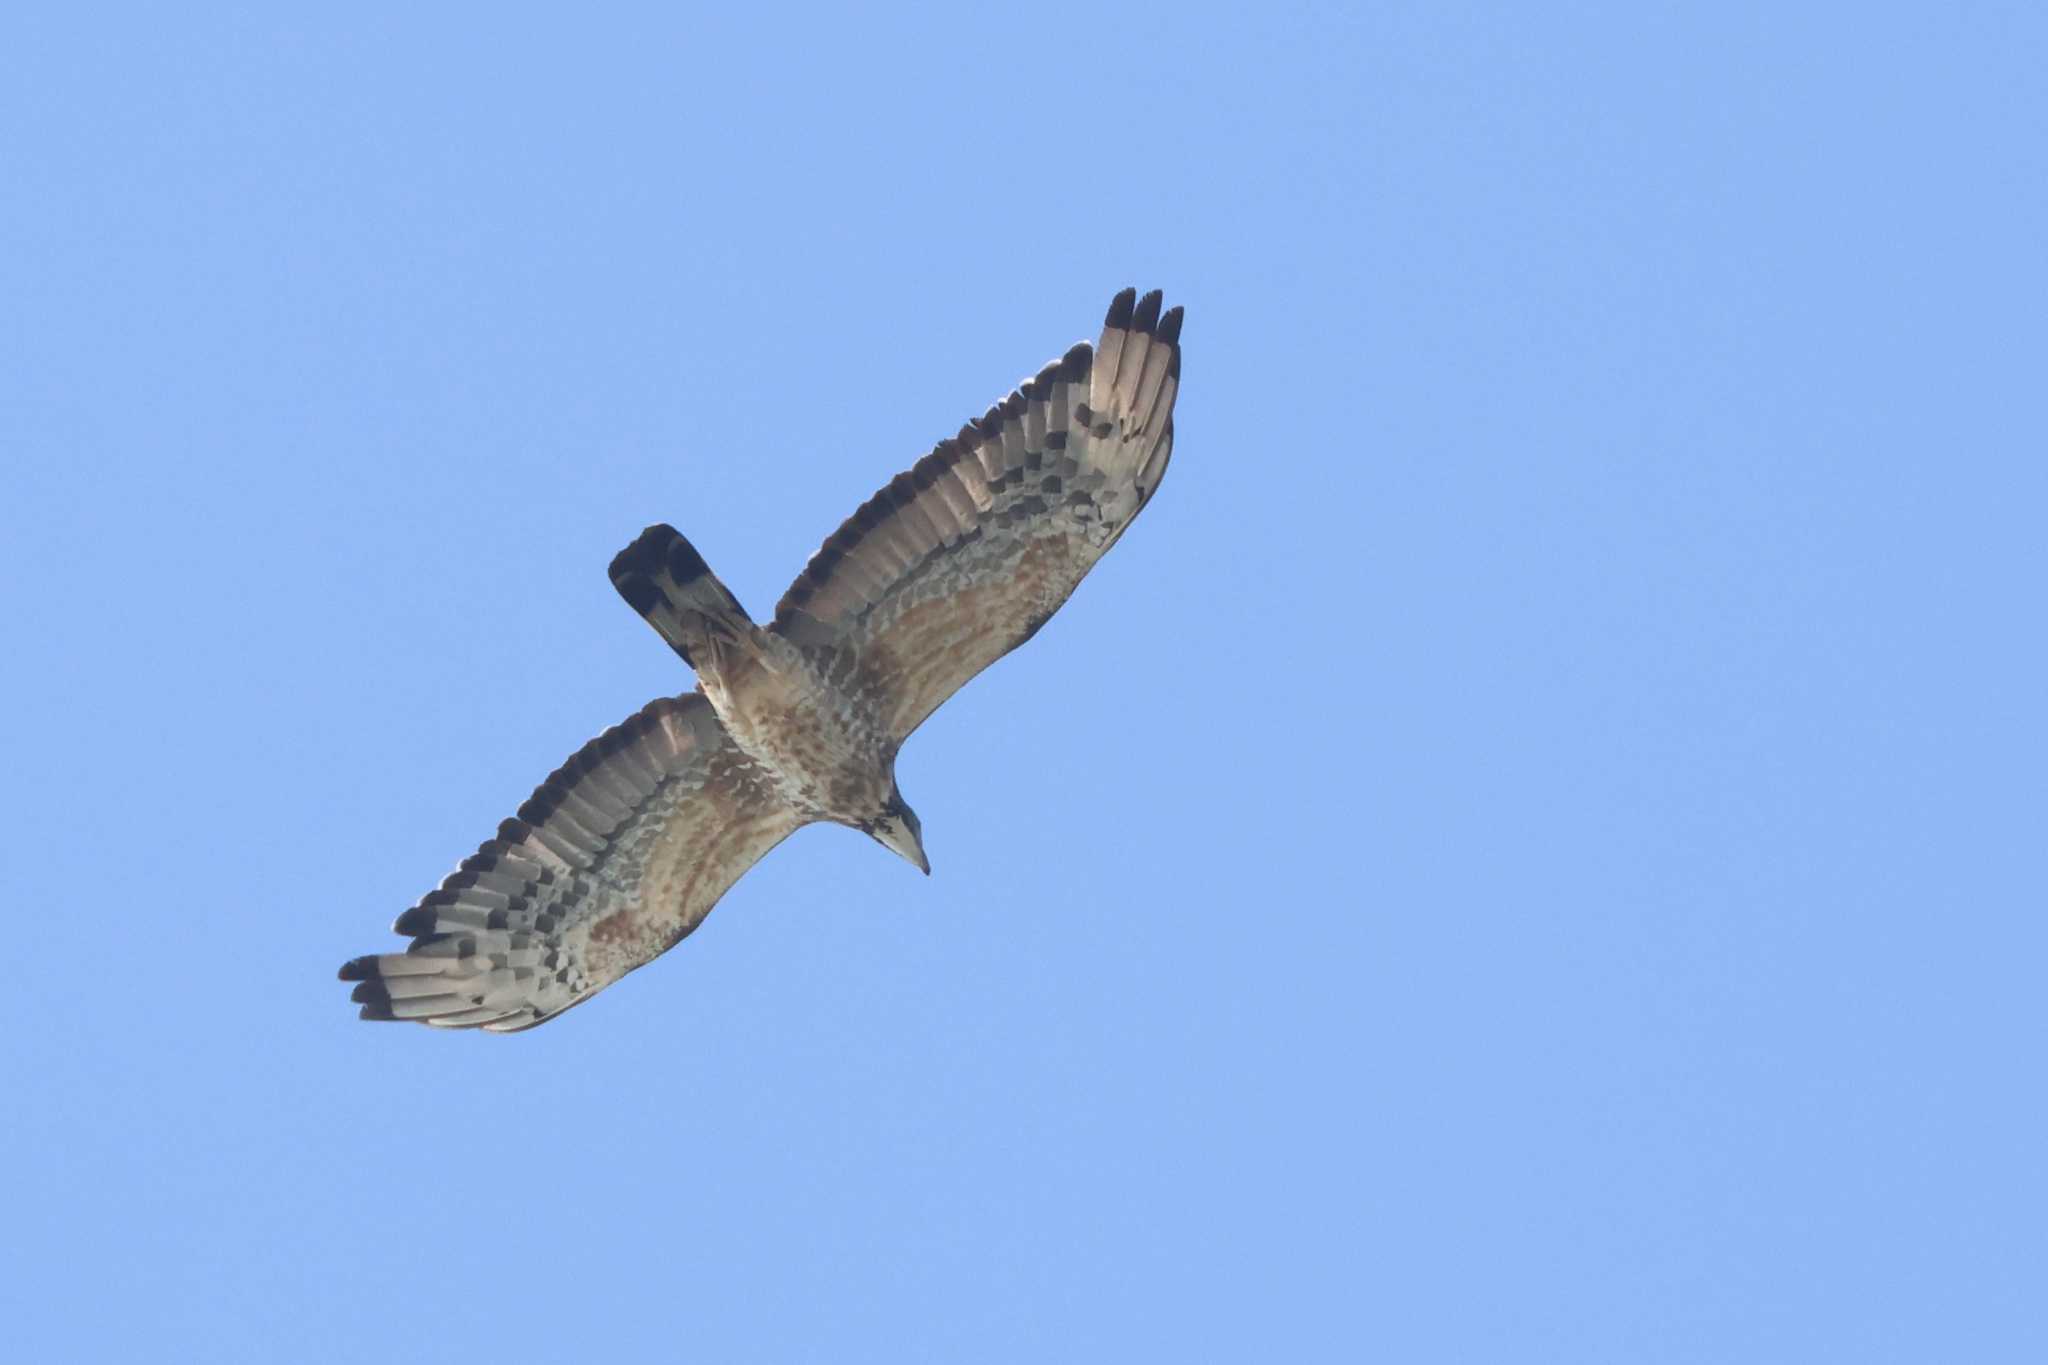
1530, 850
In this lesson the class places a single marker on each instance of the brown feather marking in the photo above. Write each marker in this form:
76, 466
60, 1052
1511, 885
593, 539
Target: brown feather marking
935, 647
616, 927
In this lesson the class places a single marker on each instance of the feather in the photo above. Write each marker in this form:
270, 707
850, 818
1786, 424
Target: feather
1051, 477
510, 939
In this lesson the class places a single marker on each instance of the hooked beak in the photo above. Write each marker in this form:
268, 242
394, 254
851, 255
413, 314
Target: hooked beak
903, 839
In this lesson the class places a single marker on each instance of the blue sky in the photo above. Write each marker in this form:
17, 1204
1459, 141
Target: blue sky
1529, 850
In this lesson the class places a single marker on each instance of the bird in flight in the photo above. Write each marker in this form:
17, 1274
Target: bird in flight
627, 846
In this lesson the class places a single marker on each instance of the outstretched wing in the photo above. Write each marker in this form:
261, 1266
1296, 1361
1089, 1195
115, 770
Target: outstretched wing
962, 558
613, 859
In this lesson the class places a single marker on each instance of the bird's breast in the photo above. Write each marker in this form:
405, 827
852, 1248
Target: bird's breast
808, 736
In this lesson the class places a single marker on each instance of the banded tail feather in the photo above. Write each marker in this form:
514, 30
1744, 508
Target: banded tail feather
662, 577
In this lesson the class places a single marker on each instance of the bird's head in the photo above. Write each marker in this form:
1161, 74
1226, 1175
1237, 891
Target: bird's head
897, 829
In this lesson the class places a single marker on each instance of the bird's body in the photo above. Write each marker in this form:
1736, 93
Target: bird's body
824, 749
626, 848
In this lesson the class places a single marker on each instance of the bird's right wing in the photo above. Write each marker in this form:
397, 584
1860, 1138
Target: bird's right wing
613, 859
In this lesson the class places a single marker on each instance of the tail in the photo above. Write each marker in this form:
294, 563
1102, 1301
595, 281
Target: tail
662, 577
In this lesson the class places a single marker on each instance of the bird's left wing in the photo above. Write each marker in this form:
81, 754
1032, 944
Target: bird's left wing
964, 556
614, 858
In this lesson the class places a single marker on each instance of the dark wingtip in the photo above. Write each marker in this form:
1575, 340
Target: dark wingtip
1169, 324
1147, 316
1120, 308
371, 993
414, 922
1075, 363
377, 1012
356, 969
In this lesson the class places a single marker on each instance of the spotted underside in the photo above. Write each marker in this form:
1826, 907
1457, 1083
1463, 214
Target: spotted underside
625, 849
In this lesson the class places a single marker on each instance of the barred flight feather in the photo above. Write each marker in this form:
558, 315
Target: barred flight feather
614, 859
962, 558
